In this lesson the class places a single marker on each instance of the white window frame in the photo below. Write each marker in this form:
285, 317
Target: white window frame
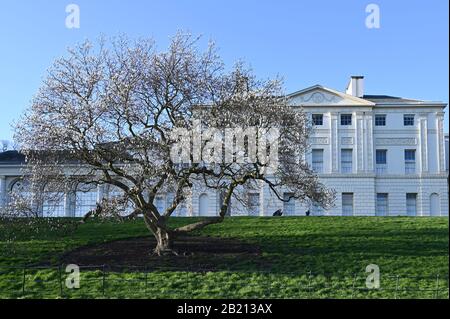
346, 116
53, 205
410, 164
85, 201
381, 117
347, 160
408, 119
410, 197
382, 204
321, 119
317, 162
381, 168
348, 204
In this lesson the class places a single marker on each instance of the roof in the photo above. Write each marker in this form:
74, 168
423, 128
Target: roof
17, 158
12, 157
365, 100
388, 99
341, 95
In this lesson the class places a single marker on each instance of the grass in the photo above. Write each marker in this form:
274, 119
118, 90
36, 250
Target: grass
314, 257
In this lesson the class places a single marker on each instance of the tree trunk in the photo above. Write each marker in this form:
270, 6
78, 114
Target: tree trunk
164, 242
163, 236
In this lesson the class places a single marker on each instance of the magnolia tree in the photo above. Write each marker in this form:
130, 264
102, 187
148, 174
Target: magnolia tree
148, 122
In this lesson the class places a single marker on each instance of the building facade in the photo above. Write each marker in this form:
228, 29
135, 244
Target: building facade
383, 156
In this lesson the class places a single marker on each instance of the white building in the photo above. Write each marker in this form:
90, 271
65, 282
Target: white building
382, 155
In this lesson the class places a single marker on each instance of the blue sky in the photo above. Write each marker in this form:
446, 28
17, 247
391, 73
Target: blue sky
307, 42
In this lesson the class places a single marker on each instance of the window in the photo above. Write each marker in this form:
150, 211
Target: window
435, 205
53, 205
203, 205
22, 191
381, 161
253, 204
288, 207
346, 119
317, 119
347, 204
86, 200
382, 204
408, 120
380, 120
411, 204
410, 161
346, 160
317, 160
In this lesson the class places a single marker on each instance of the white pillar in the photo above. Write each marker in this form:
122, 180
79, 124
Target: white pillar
369, 144
359, 143
440, 142
334, 141
423, 135
327, 163
2, 191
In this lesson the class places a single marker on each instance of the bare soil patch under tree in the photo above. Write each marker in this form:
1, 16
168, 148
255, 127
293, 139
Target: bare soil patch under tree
195, 253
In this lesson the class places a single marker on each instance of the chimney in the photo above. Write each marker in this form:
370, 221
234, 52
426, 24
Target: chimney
356, 86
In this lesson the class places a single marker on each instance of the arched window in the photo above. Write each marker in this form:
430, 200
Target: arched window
86, 199
20, 186
53, 204
203, 203
435, 207
20, 193
37, 201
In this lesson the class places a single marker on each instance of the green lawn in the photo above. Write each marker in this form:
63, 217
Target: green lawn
309, 257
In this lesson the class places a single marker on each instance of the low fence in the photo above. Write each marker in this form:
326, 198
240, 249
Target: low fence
142, 282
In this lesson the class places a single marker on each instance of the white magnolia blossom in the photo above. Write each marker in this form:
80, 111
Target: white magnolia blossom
106, 114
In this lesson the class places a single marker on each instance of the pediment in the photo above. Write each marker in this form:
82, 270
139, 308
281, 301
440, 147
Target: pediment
319, 95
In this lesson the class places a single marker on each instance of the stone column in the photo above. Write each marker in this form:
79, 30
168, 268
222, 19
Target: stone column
440, 142
359, 142
334, 142
327, 149
369, 143
2, 191
423, 138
